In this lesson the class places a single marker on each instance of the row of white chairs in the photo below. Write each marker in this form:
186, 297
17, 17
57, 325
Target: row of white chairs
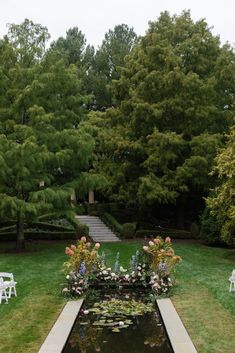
7, 286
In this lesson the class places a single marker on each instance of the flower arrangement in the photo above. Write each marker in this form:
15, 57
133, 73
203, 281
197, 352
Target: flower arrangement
82, 255
83, 261
153, 267
162, 260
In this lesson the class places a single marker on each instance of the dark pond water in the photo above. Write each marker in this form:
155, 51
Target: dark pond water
110, 324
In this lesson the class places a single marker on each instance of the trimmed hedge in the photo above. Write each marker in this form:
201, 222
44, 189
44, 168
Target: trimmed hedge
50, 226
173, 233
111, 222
11, 236
7, 229
128, 230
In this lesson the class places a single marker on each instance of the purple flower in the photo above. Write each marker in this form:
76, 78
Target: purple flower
82, 269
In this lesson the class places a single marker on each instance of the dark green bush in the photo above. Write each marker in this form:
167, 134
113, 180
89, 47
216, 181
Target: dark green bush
8, 229
111, 222
11, 236
82, 230
210, 228
194, 230
174, 234
51, 227
128, 230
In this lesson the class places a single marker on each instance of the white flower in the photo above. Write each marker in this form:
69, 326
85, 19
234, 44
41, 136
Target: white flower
139, 268
122, 269
113, 274
104, 272
126, 276
109, 269
65, 290
121, 323
67, 277
151, 243
86, 312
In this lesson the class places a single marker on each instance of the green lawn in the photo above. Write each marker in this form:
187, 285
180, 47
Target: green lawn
201, 296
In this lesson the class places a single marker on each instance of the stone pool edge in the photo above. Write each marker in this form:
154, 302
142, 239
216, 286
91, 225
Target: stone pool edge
177, 334
57, 337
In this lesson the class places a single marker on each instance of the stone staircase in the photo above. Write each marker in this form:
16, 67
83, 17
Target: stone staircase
98, 231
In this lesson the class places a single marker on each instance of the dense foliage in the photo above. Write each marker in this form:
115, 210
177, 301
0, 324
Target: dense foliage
44, 154
221, 203
174, 101
140, 118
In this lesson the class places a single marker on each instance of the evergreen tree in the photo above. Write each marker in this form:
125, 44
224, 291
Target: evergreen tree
44, 154
174, 100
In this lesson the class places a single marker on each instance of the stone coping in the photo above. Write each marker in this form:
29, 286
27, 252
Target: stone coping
57, 337
178, 336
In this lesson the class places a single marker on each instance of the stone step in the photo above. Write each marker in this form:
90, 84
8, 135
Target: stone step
98, 231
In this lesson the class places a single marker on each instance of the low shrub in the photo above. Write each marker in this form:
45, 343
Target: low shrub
11, 236
210, 228
51, 227
112, 223
7, 229
174, 234
194, 230
128, 230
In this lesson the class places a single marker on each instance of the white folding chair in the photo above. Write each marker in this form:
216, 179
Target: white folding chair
10, 283
3, 291
232, 282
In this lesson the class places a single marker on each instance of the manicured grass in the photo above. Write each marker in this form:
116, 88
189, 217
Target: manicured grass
201, 296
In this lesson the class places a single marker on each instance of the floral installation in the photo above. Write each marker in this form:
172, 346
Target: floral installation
154, 267
83, 261
162, 261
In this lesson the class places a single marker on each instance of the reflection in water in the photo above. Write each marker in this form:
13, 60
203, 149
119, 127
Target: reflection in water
103, 327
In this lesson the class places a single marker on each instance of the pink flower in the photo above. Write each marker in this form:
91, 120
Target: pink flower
88, 244
68, 251
168, 240
73, 247
97, 246
83, 239
157, 241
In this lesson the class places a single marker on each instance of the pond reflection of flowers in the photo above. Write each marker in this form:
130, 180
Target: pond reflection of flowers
86, 337
156, 339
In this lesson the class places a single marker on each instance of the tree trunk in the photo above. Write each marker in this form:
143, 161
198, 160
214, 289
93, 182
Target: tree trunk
91, 197
20, 232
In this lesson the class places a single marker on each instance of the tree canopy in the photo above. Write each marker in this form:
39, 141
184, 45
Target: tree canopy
174, 99
221, 203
